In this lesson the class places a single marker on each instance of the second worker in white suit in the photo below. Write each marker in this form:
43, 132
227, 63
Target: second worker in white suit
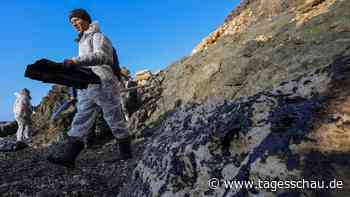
23, 112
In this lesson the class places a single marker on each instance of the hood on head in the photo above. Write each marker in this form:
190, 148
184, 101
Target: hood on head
93, 28
22, 95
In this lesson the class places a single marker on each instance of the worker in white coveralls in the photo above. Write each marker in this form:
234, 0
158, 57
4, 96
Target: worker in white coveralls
96, 52
23, 112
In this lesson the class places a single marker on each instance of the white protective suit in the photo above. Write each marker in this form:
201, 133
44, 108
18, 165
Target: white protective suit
96, 51
23, 112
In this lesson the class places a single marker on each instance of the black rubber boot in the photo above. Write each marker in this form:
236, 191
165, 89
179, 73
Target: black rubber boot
68, 153
125, 148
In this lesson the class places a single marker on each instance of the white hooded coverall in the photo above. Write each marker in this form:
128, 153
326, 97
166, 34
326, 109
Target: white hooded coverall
23, 111
96, 51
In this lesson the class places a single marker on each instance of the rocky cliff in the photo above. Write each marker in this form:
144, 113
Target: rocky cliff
298, 130
264, 97
45, 129
276, 41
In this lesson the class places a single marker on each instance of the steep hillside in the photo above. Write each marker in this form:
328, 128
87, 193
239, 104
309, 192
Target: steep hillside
299, 130
262, 43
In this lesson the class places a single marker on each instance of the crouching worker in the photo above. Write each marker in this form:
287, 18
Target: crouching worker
23, 112
96, 52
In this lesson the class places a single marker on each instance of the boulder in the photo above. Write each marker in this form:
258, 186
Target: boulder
8, 128
9, 145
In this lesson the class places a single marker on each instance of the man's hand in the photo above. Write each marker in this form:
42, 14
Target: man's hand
68, 63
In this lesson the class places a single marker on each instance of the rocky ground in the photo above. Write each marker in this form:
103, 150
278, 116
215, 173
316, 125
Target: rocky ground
297, 130
98, 173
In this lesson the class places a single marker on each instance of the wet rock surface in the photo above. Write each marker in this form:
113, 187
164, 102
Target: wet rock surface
253, 138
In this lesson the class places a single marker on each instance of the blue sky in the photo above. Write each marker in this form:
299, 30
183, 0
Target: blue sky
147, 33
